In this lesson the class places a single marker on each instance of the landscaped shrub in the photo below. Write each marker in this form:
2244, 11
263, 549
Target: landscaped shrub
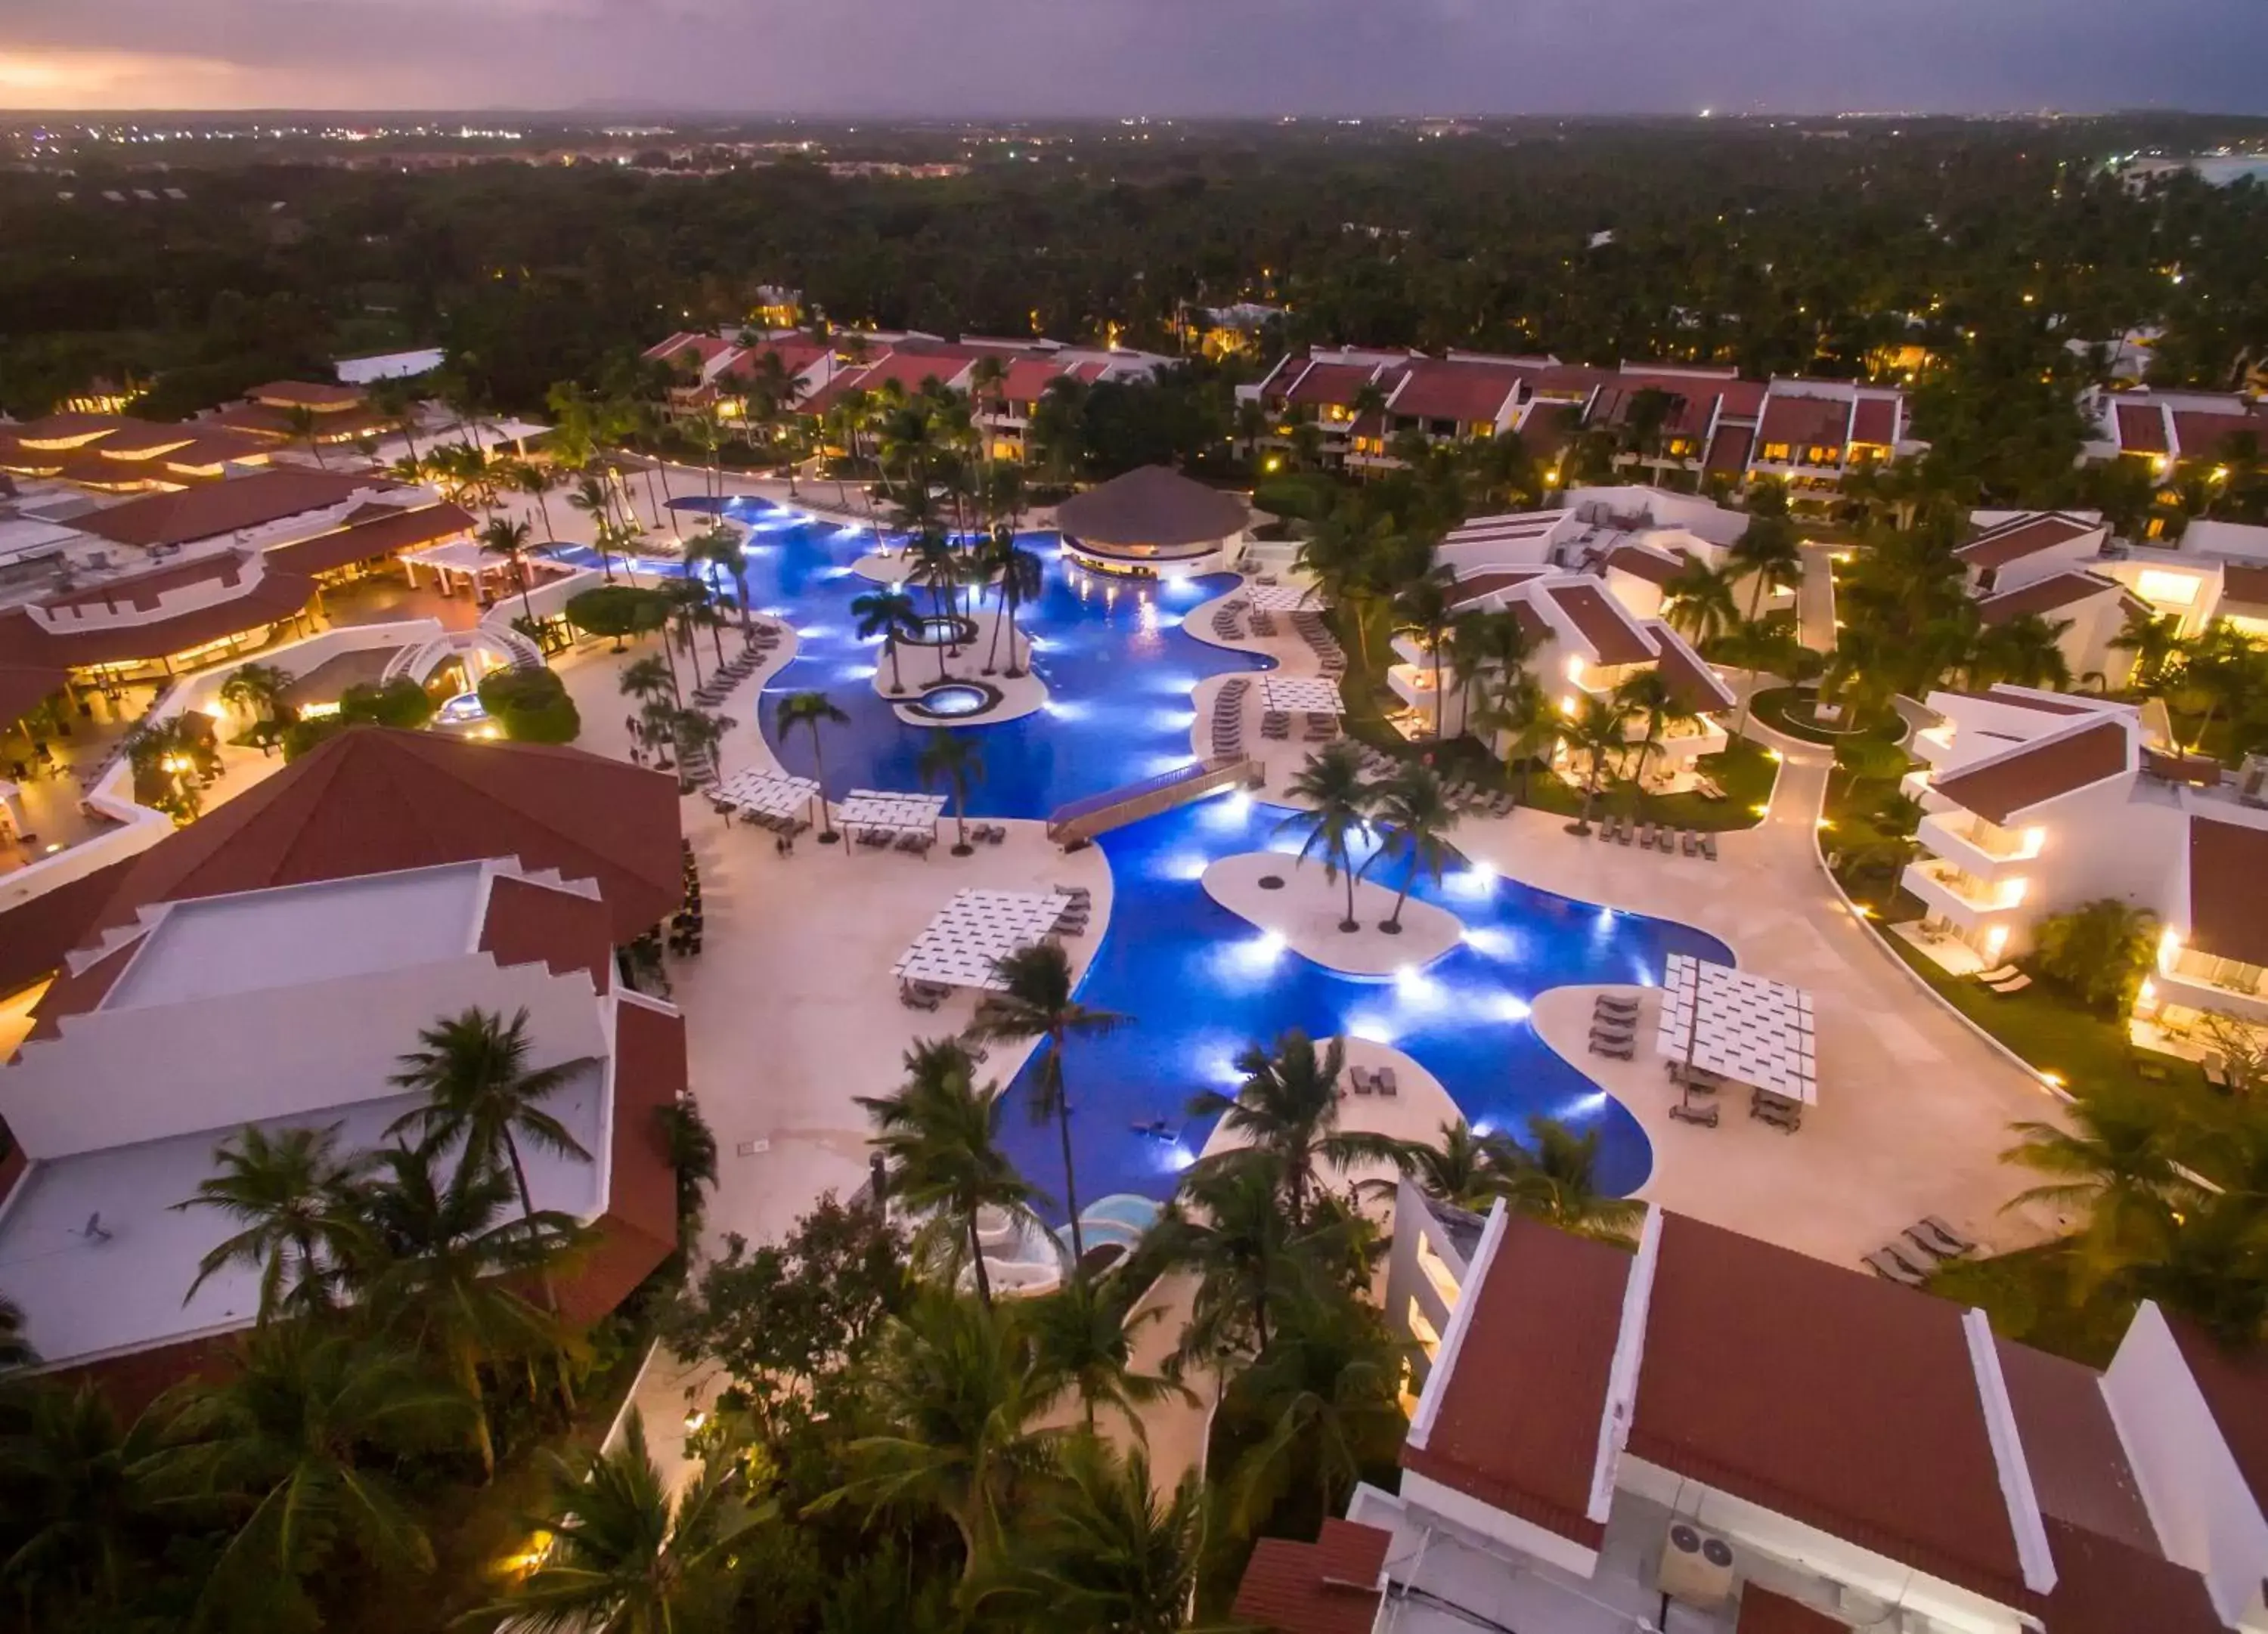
400, 703
618, 610
532, 705
2101, 951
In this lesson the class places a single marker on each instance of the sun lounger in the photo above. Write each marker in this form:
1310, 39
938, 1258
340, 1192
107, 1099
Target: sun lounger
1623, 1051
1688, 841
1360, 1077
1953, 1241
1890, 1267
2015, 983
2001, 974
1383, 1079
1705, 1116
1709, 846
1625, 834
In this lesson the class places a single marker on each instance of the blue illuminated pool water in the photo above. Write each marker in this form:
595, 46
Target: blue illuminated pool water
1200, 980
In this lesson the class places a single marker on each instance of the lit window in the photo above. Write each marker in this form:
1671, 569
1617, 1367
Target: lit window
2167, 589
1428, 1336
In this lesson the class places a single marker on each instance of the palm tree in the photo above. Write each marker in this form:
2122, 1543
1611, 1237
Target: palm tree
2025, 652
620, 1557
2117, 1157
1324, 1394
1338, 800
936, 566
1417, 814
501, 536
959, 1385
889, 614
595, 500
1699, 602
1083, 1339
812, 710
1285, 1113
479, 1092
1647, 696
300, 1204
649, 680
952, 758
536, 480
2155, 641
939, 1137
1767, 554
722, 546
2101, 950
294, 1444
443, 1279
1035, 1000
1488, 650
1422, 609
1020, 577
698, 736
1557, 1182
1228, 1226
1516, 712
1106, 1552
259, 687
85, 1505
1466, 1169
1596, 733
303, 425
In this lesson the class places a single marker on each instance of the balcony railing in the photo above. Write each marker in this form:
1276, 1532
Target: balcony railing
1982, 895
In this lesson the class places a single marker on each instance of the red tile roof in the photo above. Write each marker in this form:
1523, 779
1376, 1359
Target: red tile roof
218, 508
2020, 778
1329, 1586
1653, 566
1692, 682
307, 394
1332, 384
1598, 618
1522, 1413
2202, 435
2045, 596
143, 438
1027, 379
1868, 1423
2104, 1586
2020, 700
1471, 587
66, 428
2228, 918
276, 594
2079, 1466
2243, 582
393, 529
1728, 449
373, 801
1763, 1612
528, 924
1468, 392
1804, 423
796, 353
36, 933
144, 589
2021, 536
1876, 421
2141, 428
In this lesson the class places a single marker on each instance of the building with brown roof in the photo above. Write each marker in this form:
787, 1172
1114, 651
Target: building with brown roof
242, 972
1715, 1434
1151, 521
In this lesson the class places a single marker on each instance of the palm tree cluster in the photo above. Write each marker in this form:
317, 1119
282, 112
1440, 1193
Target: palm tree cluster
405, 1337
1344, 811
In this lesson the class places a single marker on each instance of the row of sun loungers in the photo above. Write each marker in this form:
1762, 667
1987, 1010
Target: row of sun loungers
1614, 1027
2004, 981
988, 832
1660, 837
912, 841
1312, 630
1072, 920
922, 995
1223, 619
1914, 1256
1228, 719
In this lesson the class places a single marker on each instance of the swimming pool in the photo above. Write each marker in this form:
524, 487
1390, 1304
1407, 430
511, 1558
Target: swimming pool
1201, 982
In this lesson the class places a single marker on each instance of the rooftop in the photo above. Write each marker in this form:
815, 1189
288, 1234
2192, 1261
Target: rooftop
2021, 536
216, 508
2228, 890
2001, 785
1154, 504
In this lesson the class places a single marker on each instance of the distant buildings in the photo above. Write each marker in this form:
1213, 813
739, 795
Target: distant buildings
1699, 421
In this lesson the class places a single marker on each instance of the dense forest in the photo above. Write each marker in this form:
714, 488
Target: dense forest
1777, 246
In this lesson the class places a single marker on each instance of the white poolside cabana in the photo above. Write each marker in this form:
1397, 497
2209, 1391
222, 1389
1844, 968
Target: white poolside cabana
872, 809
1301, 694
959, 946
766, 794
1747, 1028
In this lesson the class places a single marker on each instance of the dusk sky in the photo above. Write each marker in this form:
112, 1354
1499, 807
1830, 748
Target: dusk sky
1119, 56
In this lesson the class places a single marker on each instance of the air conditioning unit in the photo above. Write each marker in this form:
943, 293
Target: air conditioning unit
1697, 1566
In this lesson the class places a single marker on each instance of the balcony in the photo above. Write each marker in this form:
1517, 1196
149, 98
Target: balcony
1961, 897
2191, 980
1983, 850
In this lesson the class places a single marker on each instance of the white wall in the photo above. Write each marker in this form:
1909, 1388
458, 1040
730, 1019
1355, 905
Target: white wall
2205, 1515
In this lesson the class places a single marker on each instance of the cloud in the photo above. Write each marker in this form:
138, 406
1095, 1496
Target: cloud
1060, 57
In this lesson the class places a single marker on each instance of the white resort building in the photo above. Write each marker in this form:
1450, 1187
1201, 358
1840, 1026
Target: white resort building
1715, 1435
2037, 802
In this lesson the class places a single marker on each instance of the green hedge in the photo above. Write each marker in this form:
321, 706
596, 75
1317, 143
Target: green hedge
532, 705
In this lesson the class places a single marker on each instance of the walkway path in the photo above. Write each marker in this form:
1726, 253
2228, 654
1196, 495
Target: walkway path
1814, 599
